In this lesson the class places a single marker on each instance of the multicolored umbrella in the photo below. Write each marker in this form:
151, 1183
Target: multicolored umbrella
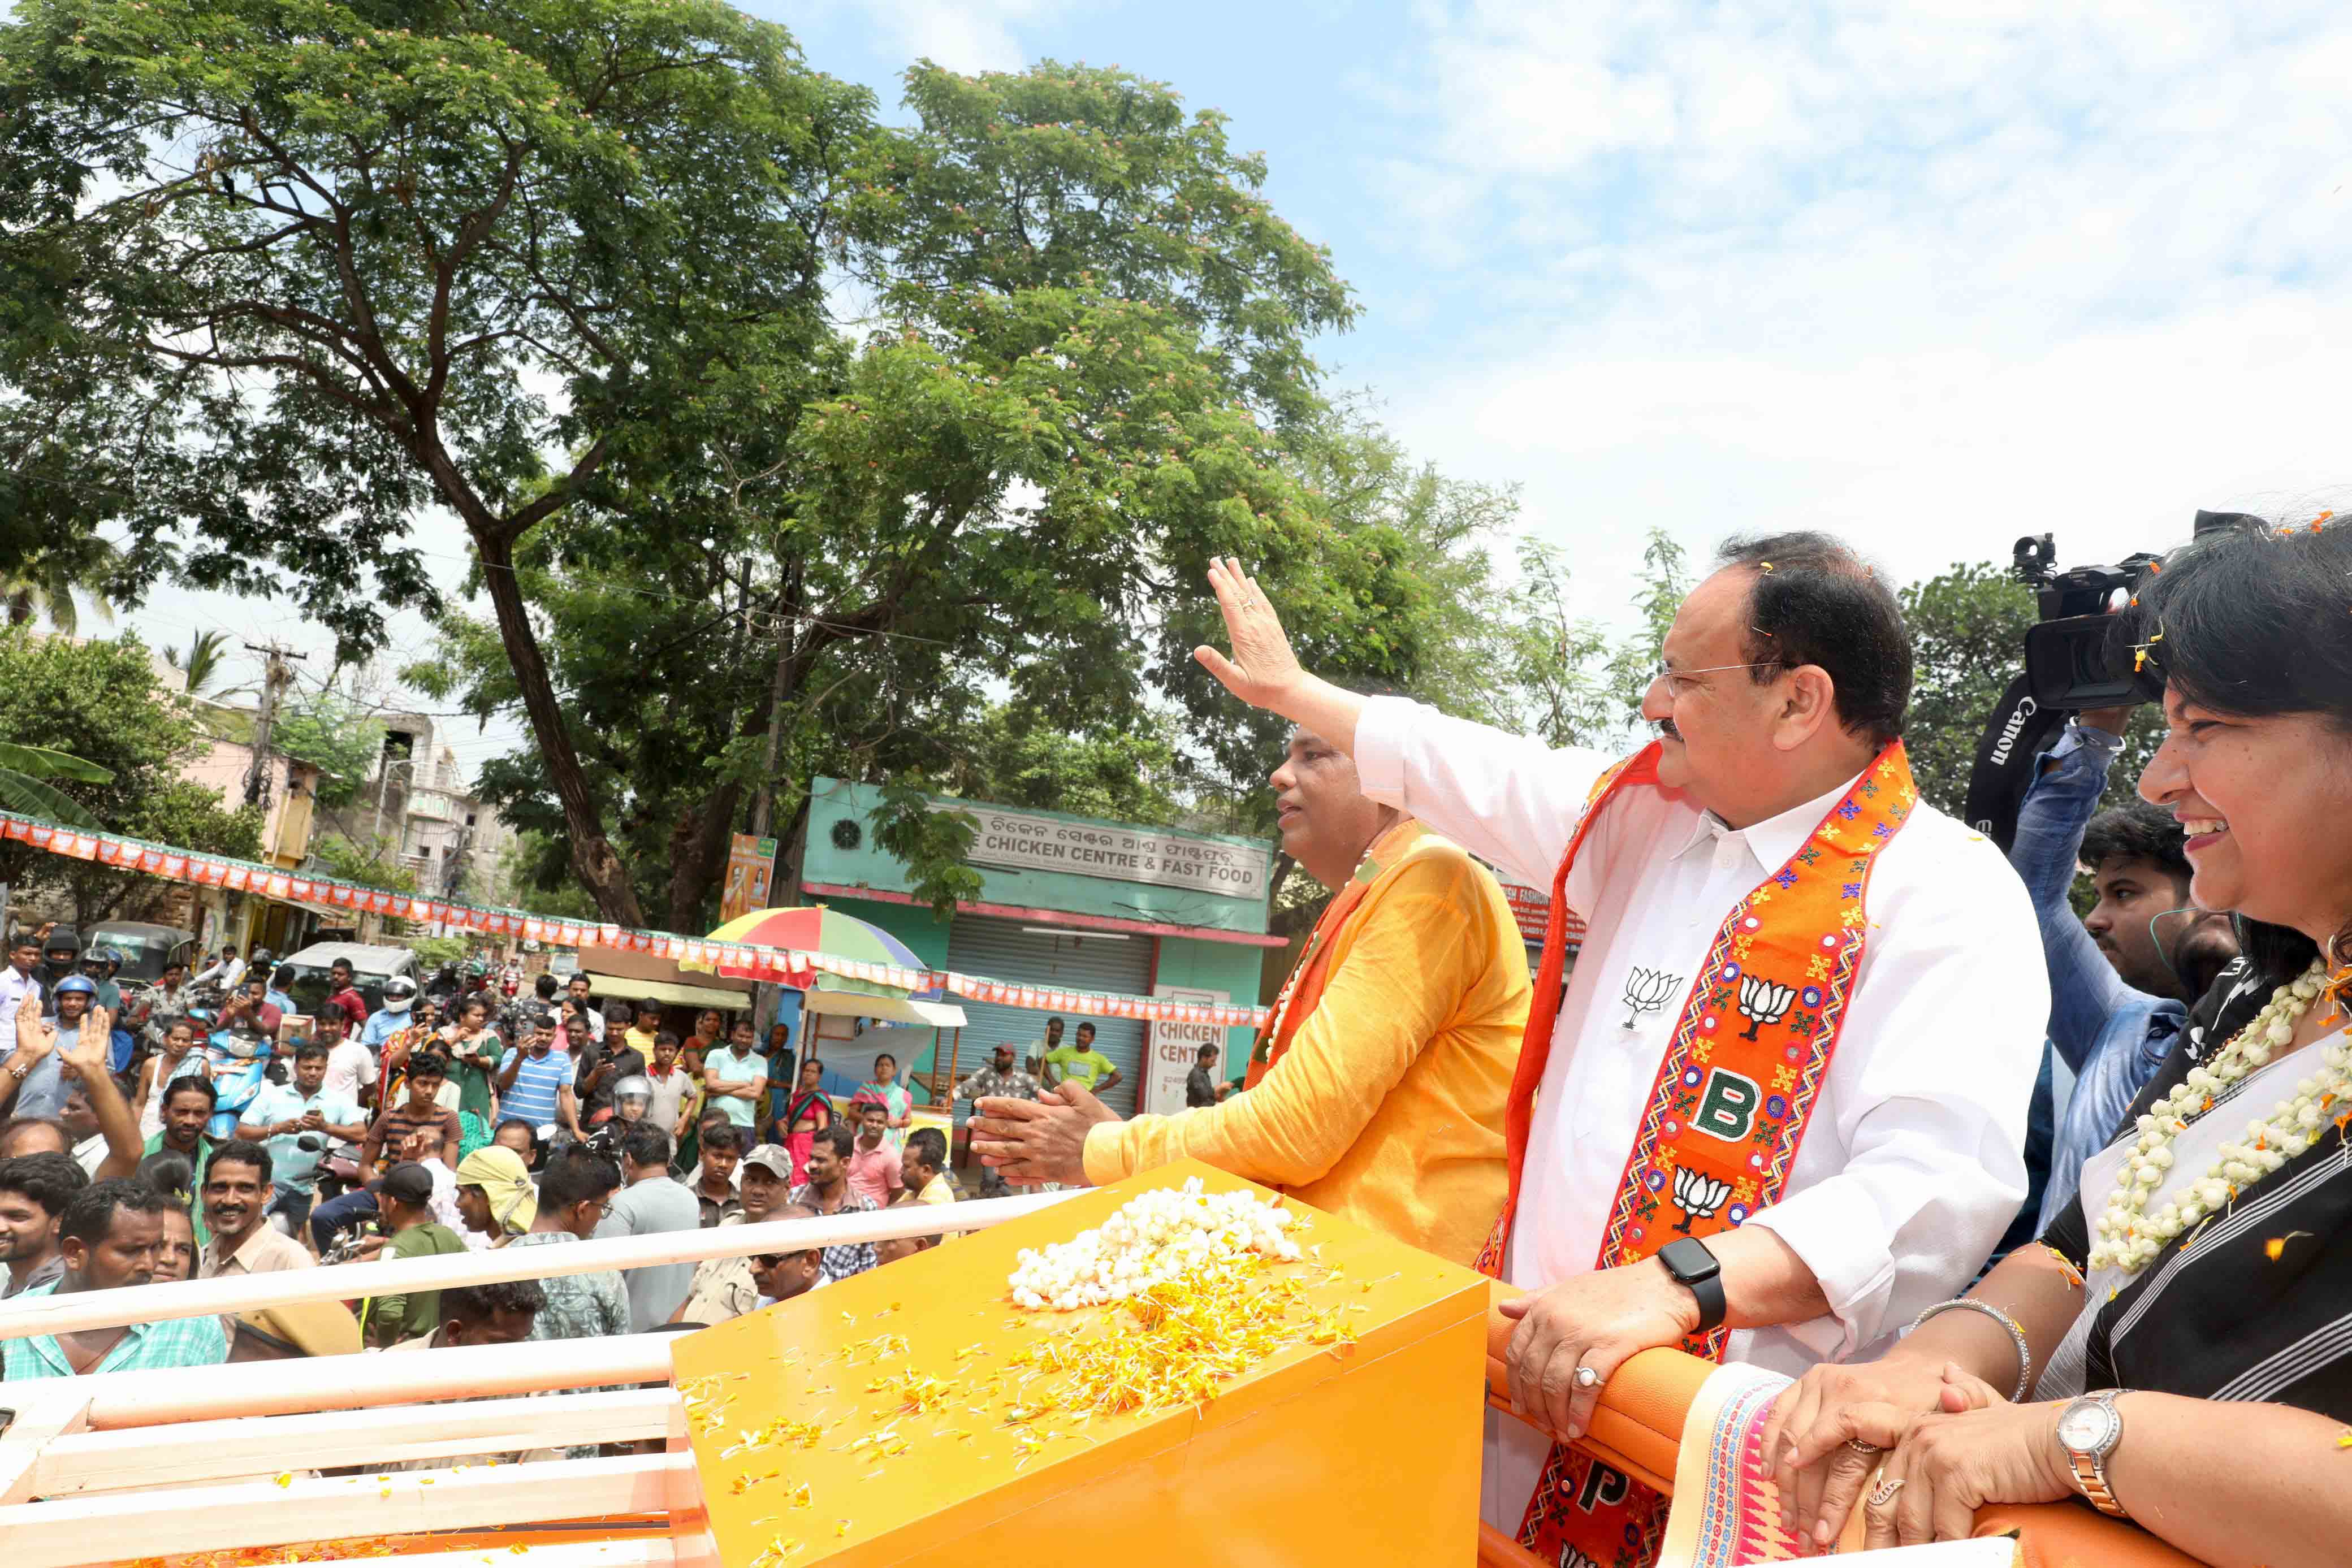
813, 928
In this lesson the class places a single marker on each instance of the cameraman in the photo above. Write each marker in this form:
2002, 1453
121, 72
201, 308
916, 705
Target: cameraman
2122, 978
296, 1120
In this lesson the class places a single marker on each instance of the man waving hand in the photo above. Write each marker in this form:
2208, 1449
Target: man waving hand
1778, 1108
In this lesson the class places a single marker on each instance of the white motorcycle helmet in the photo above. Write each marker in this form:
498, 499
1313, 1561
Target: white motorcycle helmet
399, 994
636, 1087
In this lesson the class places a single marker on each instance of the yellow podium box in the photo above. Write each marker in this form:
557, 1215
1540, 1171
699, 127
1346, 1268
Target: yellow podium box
1355, 1453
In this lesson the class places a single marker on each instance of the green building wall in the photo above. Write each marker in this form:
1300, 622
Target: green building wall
1184, 961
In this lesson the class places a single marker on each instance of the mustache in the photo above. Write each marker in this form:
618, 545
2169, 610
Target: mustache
1666, 728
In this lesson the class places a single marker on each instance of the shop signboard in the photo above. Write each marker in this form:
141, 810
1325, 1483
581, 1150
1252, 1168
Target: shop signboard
1019, 840
1174, 1046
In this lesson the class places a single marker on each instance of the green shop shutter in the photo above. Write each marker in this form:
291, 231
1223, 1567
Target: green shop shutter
996, 949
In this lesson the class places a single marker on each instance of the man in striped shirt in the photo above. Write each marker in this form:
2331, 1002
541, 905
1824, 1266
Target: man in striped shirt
535, 1082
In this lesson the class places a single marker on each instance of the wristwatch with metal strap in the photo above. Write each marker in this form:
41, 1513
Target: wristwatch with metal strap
2089, 1429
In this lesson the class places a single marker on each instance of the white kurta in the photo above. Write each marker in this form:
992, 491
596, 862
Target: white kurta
1911, 1166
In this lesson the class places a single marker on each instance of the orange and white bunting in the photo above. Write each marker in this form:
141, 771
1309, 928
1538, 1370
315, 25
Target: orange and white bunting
790, 967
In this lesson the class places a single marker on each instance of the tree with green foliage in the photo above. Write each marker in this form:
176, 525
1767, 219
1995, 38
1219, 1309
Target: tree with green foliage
368, 862
100, 704
293, 272
530, 875
1440, 530
1083, 376
1968, 638
339, 736
1551, 671
1120, 776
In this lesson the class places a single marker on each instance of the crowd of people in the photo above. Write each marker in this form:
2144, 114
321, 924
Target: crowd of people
429, 1122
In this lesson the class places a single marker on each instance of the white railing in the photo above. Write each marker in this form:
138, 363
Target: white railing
142, 1464
54, 1314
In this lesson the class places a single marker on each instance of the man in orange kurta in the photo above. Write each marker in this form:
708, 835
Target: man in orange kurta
1377, 1090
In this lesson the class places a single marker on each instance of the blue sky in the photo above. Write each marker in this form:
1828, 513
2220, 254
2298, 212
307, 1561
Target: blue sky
1932, 275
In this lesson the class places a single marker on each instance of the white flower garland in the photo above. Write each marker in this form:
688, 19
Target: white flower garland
1152, 1237
2128, 1237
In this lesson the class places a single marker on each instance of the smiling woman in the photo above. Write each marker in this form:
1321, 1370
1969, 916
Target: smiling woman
2208, 1263
2255, 645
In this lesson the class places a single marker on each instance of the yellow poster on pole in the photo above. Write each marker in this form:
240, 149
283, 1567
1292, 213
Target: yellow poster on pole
750, 862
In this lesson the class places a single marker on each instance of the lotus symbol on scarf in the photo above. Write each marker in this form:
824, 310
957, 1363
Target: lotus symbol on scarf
1646, 991
1762, 1002
1700, 1195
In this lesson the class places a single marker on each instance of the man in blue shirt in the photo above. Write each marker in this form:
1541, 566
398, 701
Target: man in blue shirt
399, 1001
2122, 976
276, 996
285, 1115
33, 1084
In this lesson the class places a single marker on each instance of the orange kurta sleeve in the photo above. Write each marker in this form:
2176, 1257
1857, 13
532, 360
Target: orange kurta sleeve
1388, 1106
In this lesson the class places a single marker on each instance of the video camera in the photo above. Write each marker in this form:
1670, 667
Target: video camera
2071, 663
2068, 664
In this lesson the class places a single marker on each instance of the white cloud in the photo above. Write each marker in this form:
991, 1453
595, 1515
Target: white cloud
968, 35
1935, 276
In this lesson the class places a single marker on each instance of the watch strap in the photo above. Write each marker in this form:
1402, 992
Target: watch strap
1712, 1305
2090, 1478
2090, 1468
1704, 1284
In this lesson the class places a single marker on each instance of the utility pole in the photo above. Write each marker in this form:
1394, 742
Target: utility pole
384, 787
763, 802
276, 676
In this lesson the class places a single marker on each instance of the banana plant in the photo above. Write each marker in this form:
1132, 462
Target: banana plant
23, 769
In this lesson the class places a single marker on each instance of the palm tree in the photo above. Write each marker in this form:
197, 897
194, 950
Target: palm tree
22, 770
203, 664
44, 582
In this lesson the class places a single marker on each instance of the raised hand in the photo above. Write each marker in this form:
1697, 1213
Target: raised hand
87, 1053
1262, 671
34, 1039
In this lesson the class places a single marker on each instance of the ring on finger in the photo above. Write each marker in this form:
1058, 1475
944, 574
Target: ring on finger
1859, 1446
1883, 1494
1586, 1378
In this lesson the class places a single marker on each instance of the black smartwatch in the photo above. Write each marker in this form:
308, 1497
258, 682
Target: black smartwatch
1694, 1267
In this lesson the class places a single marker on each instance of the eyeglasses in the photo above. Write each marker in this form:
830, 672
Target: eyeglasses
1679, 681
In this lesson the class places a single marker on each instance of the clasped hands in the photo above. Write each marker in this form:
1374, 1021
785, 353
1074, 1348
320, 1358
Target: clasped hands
1920, 1446
1041, 1140
1940, 1443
